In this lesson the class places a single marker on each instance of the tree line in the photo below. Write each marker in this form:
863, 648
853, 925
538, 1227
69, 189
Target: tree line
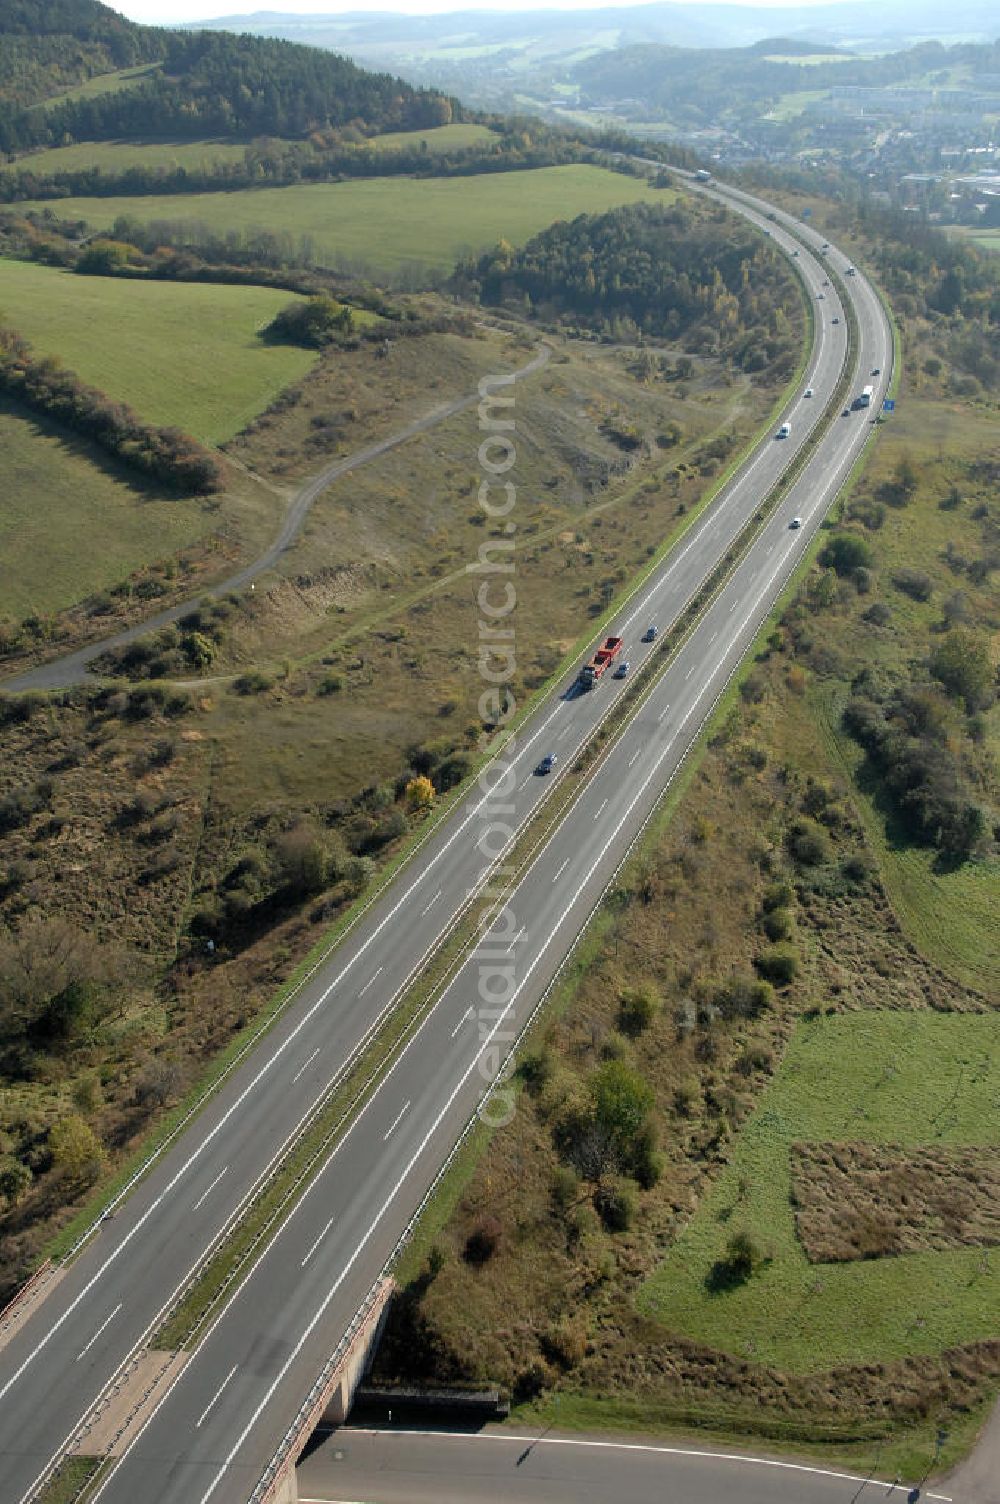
166, 455
280, 163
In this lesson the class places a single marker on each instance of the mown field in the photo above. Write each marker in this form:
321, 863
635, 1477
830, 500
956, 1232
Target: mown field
878, 1078
183, 355
443, 138
71, 525
388, 225
103, 83
119, 156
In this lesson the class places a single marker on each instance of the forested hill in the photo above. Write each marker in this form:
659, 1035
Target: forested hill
200, 84
678, 270
697, 85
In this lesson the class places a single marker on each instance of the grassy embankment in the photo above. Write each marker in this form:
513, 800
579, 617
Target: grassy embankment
388, 225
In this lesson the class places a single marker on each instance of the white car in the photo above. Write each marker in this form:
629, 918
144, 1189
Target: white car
784, 431
808, 392
795, 522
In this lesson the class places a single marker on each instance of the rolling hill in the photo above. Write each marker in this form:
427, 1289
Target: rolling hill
195, 85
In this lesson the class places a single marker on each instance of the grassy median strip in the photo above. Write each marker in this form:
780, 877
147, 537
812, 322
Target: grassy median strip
69, 1481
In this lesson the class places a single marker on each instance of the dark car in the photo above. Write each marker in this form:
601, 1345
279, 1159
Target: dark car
547, 763
650, 633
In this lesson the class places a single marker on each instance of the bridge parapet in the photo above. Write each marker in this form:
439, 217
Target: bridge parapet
330, 1397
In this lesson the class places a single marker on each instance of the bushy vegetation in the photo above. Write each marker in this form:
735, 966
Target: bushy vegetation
664, 270
165, 454
314, 323
908, 731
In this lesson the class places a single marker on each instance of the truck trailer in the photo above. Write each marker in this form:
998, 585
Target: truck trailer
602, 660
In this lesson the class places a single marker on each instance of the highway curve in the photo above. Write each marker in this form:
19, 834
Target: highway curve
231, 1408
400, 1466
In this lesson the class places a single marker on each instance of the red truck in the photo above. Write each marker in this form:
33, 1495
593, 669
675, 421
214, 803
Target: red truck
601, 662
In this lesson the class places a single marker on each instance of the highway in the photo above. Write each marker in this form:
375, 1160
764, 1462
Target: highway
224, 1418
483, 1467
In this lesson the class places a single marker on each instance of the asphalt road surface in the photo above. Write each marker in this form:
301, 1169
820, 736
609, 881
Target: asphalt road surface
496, 1467
228, 1413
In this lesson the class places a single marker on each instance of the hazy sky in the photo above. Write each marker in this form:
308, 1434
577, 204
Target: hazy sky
165, 11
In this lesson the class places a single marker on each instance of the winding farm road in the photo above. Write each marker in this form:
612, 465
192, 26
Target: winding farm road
72, 668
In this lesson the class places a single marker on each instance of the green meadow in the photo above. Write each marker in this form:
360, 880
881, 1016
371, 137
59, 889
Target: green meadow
386, 225
182, 354
886, 1077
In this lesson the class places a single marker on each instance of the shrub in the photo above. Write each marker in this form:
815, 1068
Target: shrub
76, 1151
252, 683
536, 1069
638, 1008
756, 1057
483, 1240
779, 965
565, 1187
808, 843
420, 792
846, 552
744, 997
15, 1179
743, 1255
300, 859
778, 925
961, 662
878, 614
914, 583
614, 1202
777, 896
